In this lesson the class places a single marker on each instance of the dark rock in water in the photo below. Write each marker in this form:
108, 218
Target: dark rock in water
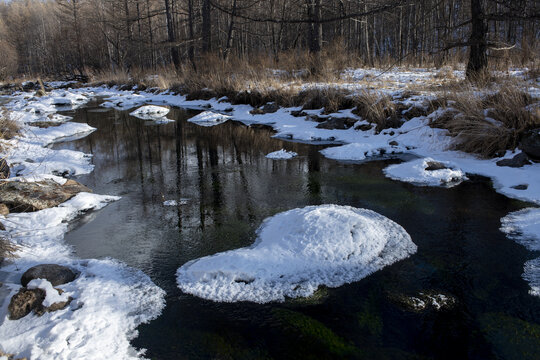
343, 123
298, 113
521, 187
393, 143
53, 273
26, 300
517, 161
530, 144
364, 127
4, 169
435, 165
32, 196
269, 108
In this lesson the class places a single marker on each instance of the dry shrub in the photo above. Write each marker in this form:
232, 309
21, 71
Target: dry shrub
7, 248
329, 98
488, 125
377, 108
8, 127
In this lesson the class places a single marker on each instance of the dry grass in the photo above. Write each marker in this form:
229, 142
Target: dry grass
8, 127
7, 248
378, 108
488, 125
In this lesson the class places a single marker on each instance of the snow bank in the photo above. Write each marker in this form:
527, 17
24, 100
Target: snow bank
109, 299
524, 227
51, 294
209, 118
418, 172
281, 155
296, 252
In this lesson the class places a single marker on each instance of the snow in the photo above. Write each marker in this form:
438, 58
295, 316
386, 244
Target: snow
209, 118
176, 203
151, 112
296, 252
110, 299
52, 295
415, 172
281, 155
523, 226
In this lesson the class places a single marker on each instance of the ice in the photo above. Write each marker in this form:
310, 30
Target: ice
417, 172
150, 112
281, 155
523, 226
176, 203
296, 252
209, 118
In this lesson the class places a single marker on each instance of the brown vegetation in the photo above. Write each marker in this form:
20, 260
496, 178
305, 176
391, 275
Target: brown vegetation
488, 125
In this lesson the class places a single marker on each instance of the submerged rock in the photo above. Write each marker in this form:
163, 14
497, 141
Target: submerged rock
519, 160
55, 274
22, 196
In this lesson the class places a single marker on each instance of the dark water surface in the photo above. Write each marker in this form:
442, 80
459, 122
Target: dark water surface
231, 187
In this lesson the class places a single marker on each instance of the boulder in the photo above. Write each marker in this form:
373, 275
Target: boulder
26, 300
435, 165
520, 187
341, 123
269, 108
517, 161
4, 169
530, 144
55, 274
32, 196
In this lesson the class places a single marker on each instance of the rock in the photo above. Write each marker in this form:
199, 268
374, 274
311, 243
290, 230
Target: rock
4, 169
45, 124
428, 300
414, 111
61, 101
298, 113
517, 161
435, 165
4, 210
337, 123
364, 127
55, 274
269, 108
26, 300
393, 143
530, 144
32, 196
521, 187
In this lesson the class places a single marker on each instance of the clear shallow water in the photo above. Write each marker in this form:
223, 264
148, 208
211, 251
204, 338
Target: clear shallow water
231, 187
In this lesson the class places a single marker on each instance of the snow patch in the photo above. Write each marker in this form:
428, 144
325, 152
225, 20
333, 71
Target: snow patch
209, 118
418, 172
296, 252
281, 155
523, 226
52, 295
150, 112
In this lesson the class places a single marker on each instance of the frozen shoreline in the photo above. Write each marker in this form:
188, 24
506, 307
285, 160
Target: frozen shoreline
415, 137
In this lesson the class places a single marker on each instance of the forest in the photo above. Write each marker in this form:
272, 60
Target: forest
45, 37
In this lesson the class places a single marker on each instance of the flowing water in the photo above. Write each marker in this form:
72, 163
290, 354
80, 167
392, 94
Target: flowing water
226, 187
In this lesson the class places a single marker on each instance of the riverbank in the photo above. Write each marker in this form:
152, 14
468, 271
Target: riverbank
357, 140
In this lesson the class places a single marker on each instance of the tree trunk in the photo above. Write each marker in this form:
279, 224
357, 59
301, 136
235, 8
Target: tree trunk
206, 27
171, 36
478, 60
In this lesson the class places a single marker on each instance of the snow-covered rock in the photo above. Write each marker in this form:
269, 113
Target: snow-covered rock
209, 118
281, 155
150, 112
296, 252
427, 172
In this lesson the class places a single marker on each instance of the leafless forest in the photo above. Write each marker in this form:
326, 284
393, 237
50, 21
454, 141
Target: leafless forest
46, 37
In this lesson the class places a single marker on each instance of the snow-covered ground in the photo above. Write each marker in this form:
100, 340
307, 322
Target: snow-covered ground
110, 299
297, 251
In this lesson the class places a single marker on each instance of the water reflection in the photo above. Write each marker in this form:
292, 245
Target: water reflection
231, 187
